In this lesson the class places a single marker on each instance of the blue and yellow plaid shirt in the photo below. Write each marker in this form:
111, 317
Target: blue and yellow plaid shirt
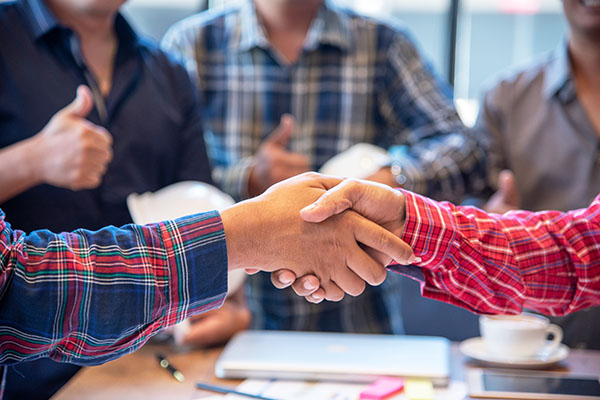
357, 80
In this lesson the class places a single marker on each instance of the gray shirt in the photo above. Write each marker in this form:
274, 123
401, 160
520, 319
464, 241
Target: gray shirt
536, 126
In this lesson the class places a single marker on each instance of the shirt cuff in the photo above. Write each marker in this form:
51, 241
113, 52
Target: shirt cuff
234, 179
197, 265
428, 229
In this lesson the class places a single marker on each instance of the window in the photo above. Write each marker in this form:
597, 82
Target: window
495, 35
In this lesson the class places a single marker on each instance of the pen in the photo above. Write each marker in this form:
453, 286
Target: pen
226, 390
164, 363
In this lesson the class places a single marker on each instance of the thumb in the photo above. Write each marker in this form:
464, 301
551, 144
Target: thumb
332, 202
508, 187
282, 134
82, 104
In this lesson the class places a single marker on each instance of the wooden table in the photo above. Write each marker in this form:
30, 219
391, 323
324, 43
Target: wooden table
138, 376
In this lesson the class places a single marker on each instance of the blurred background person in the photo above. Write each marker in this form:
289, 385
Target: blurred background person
286, 85
542, 124
134, 126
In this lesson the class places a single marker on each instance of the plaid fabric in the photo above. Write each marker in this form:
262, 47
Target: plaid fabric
547, 261
357, 80
90, 297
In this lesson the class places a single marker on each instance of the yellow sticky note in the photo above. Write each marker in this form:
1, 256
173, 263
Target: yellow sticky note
418, 390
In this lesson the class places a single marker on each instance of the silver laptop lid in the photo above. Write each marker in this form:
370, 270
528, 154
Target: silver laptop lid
334, 356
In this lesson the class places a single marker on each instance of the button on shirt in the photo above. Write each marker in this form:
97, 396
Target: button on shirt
151, 112
537, 127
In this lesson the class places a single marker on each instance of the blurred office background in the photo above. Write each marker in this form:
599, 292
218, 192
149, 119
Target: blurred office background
467, 41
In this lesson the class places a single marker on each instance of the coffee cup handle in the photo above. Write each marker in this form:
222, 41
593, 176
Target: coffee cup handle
557, 332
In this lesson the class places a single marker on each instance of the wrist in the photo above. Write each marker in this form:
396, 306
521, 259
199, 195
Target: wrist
33, 156
241, 231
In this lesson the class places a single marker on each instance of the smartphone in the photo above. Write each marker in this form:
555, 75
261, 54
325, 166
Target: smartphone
528, 385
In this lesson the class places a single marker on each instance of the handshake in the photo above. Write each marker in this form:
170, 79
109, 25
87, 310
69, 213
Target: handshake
322, 235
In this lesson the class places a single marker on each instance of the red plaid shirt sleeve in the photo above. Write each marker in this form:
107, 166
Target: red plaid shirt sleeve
499, 264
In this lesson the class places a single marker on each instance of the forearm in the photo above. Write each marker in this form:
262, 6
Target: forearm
89, 297
500, 264
19, 168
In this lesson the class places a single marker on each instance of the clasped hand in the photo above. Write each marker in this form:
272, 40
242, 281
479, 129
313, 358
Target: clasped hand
346, 238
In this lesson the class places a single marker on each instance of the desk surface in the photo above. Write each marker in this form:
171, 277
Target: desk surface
138, 376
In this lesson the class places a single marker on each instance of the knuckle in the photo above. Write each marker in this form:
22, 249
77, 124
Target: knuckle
383, 241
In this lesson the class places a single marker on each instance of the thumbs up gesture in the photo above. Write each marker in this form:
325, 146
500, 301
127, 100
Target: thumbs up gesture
273, 163
507, 197
75, 152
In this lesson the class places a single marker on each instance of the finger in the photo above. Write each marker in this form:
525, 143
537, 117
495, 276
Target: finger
306, 285
349, 281
282, 134
316, 297
382, 240
282, 278
251, 271
295, 161
333, 202
332, 291
508, 187
365, 267
100, 136
81, 105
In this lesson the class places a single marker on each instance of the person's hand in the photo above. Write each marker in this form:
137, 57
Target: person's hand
267, 233
507, 197
273, 163
379, 203
74, 152
218, 326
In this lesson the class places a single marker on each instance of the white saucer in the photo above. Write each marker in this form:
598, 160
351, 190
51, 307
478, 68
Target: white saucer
475, 348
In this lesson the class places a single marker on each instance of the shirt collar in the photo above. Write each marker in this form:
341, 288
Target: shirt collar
329, 27
41, 22
559, 75
39, 18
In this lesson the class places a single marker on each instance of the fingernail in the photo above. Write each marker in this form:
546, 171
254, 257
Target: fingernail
309, 208
316, 296
415, 259
308, 286
284, 280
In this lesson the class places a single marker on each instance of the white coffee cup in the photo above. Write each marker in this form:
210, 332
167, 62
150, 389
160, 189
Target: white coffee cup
519, 336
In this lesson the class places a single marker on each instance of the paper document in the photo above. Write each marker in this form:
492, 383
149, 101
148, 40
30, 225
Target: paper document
300, 390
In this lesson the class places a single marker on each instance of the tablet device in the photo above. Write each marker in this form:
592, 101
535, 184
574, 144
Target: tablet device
334, 356
527, 385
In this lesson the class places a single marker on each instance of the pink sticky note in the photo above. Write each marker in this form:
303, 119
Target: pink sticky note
382, 388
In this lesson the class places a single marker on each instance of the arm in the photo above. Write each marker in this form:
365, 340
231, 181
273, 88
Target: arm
548, 261
444, 159
89, 297
69, 152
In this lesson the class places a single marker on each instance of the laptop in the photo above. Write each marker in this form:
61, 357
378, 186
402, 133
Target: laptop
334, 356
